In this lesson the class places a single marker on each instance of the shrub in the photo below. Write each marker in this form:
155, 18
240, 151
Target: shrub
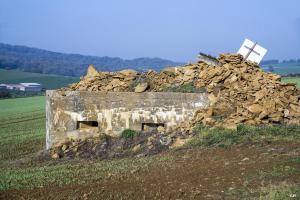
128, 133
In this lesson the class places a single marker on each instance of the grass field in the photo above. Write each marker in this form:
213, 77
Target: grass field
48, 81
216, 164
22, 127
292, 80
286, 68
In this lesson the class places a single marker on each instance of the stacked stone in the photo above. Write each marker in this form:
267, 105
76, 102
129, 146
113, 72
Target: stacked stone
172, 76
106, 81
239, 91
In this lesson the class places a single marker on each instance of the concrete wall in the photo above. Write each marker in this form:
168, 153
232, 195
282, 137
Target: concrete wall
83, 114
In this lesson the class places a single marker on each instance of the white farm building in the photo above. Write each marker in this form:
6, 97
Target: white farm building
33, 87
28, 87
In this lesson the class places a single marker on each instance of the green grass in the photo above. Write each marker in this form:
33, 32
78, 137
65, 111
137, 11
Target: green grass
22, 127
244, 134
75, 173
21, 106
48, 81
296, 160
282, 191
128, 133
292, 80
278, 171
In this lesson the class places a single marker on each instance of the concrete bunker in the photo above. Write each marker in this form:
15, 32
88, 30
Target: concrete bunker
151, 126
87, 124
84, 114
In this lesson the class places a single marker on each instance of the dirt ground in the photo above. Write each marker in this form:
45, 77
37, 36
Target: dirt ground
197, 173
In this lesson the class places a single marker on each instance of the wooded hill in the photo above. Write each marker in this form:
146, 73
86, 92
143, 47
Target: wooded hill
41, 61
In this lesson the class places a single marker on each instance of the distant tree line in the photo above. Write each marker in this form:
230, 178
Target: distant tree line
291, 75
47, 62
6, 94
269, 62
274, 61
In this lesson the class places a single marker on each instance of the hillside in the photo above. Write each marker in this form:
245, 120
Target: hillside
48, 81
41, 61
28, 59
292, 80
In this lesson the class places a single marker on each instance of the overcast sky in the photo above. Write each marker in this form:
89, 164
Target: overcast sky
172, 29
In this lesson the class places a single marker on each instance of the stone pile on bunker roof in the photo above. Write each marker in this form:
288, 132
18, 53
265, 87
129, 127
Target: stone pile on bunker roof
240, 92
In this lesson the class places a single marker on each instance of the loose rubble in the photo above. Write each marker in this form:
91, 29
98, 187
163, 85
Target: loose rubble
240, 92
106, 147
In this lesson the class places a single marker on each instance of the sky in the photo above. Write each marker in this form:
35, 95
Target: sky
171, 29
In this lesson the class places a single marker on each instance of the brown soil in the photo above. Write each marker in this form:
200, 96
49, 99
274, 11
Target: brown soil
215, 173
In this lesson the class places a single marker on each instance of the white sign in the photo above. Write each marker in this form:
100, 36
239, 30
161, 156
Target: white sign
252, 51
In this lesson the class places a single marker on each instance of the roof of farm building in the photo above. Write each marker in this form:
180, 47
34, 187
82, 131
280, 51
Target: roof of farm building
30, 84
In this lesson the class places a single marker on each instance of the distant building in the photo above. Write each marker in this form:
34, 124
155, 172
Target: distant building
2, 87
27, 87
13, 86
32, 87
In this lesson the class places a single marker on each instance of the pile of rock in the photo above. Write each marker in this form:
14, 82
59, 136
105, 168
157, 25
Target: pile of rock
106, 147
131, 80
106, 81
239, 91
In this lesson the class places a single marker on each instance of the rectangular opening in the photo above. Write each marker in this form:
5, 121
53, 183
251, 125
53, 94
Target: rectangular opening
151, 126
86, 124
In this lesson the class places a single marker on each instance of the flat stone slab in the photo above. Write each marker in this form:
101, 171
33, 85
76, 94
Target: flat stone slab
84, 114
